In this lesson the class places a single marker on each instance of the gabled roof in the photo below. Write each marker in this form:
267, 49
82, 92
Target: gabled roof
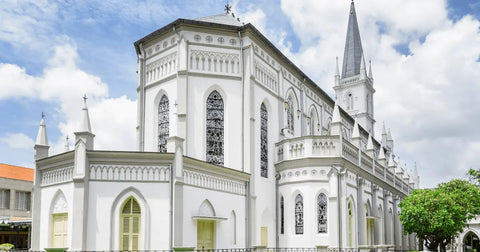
352, 56
16, 172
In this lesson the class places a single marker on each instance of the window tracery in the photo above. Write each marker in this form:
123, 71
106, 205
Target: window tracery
322, 213
299, 214
215, 117
312, 122
263, 141
290, 116
163, 124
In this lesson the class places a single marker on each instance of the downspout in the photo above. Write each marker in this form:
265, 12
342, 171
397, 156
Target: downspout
171, 208
247, 219
277, 240
142, 83
243, 98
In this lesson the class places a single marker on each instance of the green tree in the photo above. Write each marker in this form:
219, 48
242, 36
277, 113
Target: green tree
438, 215
474, 176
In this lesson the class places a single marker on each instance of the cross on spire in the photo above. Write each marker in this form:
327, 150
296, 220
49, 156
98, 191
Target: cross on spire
85, 98
228, 8
43, 115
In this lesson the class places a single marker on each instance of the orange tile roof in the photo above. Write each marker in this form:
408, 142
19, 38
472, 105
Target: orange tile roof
16, 172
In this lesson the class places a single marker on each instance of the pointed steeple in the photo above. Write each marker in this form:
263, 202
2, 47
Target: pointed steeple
42, 133
370, 75
85, 124
381, 153
353, 47
363, 69
355, 131
336, 114
384, 136
391, 163
337, 74
67, 147
369, 142
41, 144
85, 131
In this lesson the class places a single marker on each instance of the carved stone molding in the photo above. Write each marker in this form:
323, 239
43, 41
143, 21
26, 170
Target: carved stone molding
129, 173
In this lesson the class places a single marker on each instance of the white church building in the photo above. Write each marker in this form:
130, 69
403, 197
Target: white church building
237, 148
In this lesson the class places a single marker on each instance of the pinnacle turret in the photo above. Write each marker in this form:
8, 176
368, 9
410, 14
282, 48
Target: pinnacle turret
41, 144
85, 131
370, 75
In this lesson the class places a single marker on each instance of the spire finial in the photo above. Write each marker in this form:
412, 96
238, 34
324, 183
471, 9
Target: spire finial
85, 99
337, 73
228, 8
67, 147
43, 115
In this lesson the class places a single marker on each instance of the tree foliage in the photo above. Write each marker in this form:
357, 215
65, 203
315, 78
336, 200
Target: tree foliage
438, 215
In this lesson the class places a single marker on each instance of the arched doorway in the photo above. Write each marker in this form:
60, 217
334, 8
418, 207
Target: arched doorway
471, 242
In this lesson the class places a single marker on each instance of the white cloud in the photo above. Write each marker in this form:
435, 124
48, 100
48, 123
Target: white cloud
429, 98
63, 84
17, 141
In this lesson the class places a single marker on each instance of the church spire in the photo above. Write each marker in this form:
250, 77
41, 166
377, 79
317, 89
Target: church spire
352, 56
85, 131
41, 144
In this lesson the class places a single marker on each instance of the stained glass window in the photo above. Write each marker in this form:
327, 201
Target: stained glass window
215, 128
290, 117
322, 213
163, 124
299, 214
263, 141
282, 216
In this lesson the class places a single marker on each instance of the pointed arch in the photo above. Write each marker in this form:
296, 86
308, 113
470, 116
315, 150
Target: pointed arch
59, 220
299, 214
263, 141
233, 226
215, 128
206, 209
163, 123
130, 223
314, 121
291, 104
322, 206
351, 223
116, 214
282, 215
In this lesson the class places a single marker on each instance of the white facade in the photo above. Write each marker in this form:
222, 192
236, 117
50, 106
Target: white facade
216, 91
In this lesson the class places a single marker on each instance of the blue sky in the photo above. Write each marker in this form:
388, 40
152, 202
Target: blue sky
424, 55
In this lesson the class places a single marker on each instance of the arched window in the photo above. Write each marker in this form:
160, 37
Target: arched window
263, 141
322, 213
130, 218
163, 124
290, 111
299, 214
282, 215
215, 128
350, 224
312, 122
349, 101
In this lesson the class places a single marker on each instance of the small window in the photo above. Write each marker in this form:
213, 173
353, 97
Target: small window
22, 201
163, 124
322, 213
4, 199
282, 216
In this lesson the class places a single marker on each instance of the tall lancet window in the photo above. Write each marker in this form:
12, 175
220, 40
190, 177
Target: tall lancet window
322, 213
299, 214
130, 219
282, 215
263, 141
163, 124
215, 128
312, 122
290, 117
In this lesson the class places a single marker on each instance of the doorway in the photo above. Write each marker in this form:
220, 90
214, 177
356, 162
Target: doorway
205, 234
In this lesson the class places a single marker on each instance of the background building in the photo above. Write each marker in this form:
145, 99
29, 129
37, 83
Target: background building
15, 205
237, 148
